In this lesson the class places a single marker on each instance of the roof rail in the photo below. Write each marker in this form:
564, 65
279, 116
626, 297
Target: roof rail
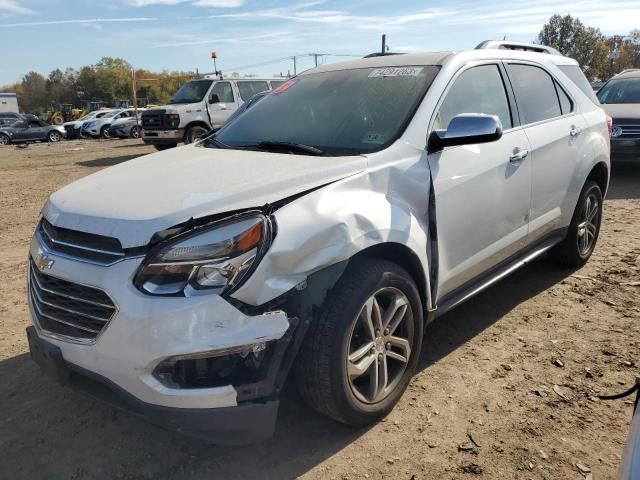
627, 71
505, 45
380, 54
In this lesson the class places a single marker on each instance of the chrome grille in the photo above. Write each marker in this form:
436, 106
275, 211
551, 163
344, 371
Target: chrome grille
83, 246
68, 309
629, 130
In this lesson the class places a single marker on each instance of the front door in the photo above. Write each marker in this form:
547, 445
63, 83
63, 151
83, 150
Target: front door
221, 110
482, 191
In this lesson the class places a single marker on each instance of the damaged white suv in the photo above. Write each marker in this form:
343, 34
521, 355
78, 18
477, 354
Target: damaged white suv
314, 236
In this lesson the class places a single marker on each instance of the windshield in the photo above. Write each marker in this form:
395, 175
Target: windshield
624, 90
346, 112
191, 92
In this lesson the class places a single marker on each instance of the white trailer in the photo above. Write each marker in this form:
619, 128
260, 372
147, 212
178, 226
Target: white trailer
9, 102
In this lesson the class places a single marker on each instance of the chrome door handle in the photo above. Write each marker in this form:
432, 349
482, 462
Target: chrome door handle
518, 156
575, 131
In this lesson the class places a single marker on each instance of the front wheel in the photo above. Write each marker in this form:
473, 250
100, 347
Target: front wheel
104, 132
362, 350
4, 139
582, 236
54, 136
194, 133
135, 132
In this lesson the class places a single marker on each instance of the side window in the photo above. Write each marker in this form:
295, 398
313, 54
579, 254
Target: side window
34, 124
535, 93
248, 89
276, 83
477, 90
224, 92
565, 102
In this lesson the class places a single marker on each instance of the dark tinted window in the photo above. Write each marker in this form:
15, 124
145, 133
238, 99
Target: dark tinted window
477, 90
248, 89
535, 93
565, 102
224, 92
34, 123
276, 83
339, 112
623, 90
577, 77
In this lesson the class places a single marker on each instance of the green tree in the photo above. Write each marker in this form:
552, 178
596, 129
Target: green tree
34, 93
585, 44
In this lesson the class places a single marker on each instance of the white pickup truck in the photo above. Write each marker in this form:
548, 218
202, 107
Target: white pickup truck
198, 107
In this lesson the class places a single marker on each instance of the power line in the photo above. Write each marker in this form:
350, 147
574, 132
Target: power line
292, 57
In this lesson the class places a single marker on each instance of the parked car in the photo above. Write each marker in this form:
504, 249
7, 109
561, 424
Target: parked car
198, 107
128, 127
99, 127
9, 118
30, 129
74, 128
630, 465
620, 98
316, 234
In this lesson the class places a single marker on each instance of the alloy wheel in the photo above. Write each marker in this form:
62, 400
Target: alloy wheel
380, 345
4, 140
54, 137
588, 227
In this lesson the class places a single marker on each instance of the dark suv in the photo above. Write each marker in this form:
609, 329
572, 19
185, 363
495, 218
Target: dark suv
620, 98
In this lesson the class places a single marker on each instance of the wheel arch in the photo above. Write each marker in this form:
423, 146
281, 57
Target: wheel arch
196, 123
600, 174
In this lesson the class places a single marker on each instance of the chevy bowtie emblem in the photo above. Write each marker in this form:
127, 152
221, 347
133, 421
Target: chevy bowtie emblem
43, 262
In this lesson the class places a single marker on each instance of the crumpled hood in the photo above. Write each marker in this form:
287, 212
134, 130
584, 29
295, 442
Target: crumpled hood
135, 199
622, 110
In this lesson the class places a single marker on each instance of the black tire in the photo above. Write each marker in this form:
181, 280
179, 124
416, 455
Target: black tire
136, 132
54, 136
194, 133
572, 251
165, 146
321, 369
104, 132
4, 139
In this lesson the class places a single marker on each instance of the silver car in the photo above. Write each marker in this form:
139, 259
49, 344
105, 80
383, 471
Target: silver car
316, 235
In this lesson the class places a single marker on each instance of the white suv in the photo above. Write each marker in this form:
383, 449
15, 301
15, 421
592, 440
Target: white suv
316, 234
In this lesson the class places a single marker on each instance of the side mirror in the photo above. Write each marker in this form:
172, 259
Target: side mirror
214, 98
466, 129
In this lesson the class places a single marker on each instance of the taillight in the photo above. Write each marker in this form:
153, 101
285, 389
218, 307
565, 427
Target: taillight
609, 123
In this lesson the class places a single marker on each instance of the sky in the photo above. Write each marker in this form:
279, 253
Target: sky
262, 35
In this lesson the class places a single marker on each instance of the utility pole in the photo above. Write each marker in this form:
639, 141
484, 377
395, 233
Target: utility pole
295, 69
315, 57
384, 44
134, 87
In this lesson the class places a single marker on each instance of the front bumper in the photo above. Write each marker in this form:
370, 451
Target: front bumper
162, 137
623, 149
145, 331
250, 422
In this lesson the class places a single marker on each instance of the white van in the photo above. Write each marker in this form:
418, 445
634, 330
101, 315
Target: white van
198, 107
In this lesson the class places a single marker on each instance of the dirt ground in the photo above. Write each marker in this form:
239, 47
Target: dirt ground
505, 389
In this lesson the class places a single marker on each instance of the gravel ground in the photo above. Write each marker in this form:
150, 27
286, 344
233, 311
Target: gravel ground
505, 389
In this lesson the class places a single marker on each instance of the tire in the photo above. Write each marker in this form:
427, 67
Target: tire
4, 139
135, 132
582, 236
165, 146
342, 389
193, 134
104, 132
54, 136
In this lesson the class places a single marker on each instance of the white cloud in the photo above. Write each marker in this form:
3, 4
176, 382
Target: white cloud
79, 21
197, 3
12, 6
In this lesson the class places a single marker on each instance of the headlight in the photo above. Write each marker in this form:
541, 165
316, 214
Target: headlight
211, 259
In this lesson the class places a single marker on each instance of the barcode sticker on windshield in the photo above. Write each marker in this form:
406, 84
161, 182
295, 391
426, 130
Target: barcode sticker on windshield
396, 72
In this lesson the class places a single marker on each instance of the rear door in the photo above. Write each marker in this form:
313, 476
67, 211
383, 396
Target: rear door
482, 191
554, 129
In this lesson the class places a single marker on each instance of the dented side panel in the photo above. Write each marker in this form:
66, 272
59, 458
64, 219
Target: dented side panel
386, 203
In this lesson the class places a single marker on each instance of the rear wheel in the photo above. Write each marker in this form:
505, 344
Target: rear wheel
582, 236
362, 350
4, 139
54, 136
135, 132
194, 133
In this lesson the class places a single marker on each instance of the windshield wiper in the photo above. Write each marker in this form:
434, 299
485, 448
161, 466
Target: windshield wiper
292, 146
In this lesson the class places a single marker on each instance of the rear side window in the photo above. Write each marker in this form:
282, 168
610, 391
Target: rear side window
565, 102
477, 90
577, 77
535, 93
248, 89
